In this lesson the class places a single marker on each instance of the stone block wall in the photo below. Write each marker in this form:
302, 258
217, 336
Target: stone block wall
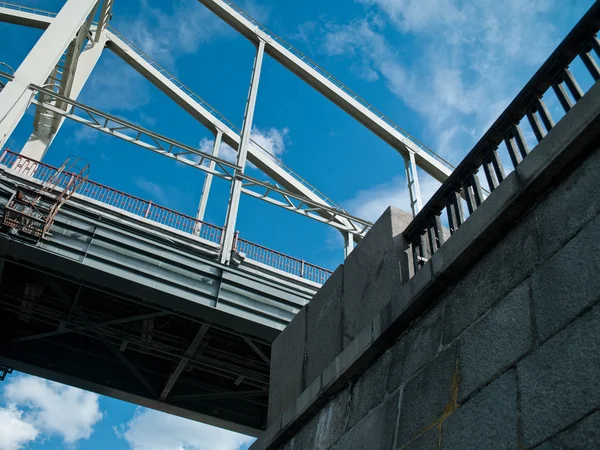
510, 358
347, 302
494, 343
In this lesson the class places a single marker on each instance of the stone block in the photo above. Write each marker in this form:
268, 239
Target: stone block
331, 421
492, 344
428, 440
303, 404
416, 348
374, 270
570, 206
488, 420
503, 268
337, 372
427, 395
324, 324
368, 391
287, 366
558, 382
568, 282
583, 435
373, 432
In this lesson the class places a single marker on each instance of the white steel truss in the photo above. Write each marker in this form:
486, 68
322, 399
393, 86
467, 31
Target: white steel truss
207, 162
289, 191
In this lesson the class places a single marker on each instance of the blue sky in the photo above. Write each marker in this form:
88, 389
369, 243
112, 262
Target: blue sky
442, 69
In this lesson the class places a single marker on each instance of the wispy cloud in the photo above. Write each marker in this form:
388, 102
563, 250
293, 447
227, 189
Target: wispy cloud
36, 407
273, 140
156, 192
152, 430
465, 62
370, 203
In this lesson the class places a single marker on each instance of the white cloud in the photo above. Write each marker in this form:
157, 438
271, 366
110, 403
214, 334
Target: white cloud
370, 203
466, 60
272, 140
156, 192
170, 30
153, 430
40, 407
14, 431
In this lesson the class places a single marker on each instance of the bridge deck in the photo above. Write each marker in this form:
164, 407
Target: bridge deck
127, 306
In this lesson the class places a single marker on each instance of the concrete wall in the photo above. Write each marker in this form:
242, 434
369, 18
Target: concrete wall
494, 343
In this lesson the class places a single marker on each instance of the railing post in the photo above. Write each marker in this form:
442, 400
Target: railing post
148, 209
236, 236
302, 268
236, 184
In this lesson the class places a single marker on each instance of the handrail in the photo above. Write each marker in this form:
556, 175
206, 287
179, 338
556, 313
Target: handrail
282, 261
163, 215
337, 82
425, 232
28, 9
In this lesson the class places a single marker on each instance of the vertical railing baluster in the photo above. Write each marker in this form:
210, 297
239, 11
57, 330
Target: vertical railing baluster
512, 150
562, 95
439, 229
536, 124
476, 186
544, 115
572, 84
469, 197
520, 140
590, 63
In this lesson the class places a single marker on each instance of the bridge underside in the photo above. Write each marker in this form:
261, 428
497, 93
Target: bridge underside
114, 303
87, 336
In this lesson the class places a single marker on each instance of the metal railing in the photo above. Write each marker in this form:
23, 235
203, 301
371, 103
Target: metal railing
27, 9
164, 216
112, 197
281, 261
339, 84
527, 115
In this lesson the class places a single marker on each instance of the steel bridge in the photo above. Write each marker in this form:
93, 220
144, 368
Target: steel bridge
122, 296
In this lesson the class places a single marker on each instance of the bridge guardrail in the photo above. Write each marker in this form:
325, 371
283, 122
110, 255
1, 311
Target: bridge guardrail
507, 135
165, 216
282, 261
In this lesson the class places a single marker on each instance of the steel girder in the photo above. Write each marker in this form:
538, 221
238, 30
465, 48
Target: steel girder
165, 146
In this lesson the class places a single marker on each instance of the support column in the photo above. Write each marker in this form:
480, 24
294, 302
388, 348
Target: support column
44, 133
236, 184
348, 244
207, 184
412, 179
16, 96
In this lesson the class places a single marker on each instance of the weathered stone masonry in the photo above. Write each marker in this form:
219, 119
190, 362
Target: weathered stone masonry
494, 343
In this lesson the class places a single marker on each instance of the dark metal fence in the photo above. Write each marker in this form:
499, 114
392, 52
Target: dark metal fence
507, 138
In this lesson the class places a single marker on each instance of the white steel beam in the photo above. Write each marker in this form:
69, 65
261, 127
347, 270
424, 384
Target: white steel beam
41, 60
22, 15
202, 112
236, 184
207, 183
191, 103
327, 85
348, 244
48, 125
412, 180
